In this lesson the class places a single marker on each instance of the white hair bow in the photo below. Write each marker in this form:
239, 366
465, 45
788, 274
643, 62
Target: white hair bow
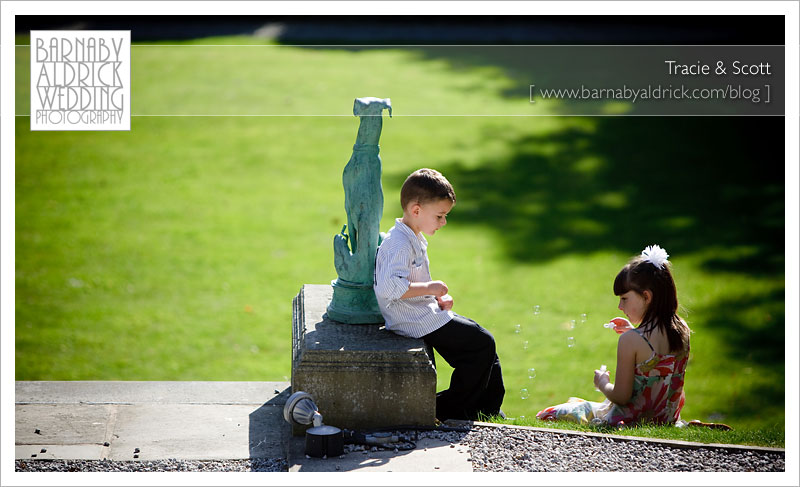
655, 255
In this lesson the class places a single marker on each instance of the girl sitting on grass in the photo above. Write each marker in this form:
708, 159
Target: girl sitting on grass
651, 358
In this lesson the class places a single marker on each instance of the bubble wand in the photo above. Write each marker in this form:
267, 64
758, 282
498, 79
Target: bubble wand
619, 325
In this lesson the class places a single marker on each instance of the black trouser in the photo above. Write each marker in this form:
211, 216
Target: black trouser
476, 385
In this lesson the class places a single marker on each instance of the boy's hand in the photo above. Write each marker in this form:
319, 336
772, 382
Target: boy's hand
437, 288
432, 288
445, 302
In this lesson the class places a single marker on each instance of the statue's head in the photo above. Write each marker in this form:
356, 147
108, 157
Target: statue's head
369, 105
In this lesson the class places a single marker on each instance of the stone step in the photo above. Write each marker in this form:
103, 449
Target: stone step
150, 420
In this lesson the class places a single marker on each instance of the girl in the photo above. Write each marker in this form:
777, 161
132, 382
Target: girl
651, 358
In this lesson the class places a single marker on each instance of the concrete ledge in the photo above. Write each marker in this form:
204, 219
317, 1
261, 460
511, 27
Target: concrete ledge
361, 376
150, 420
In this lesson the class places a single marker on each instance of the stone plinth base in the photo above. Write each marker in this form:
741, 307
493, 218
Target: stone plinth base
361, 376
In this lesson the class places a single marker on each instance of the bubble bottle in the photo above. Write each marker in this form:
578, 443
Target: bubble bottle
602, 369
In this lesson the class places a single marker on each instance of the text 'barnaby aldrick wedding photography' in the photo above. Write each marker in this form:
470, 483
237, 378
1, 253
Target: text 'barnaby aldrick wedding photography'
80, 80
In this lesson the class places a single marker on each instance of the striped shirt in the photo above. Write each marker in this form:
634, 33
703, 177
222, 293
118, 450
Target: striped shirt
402, 259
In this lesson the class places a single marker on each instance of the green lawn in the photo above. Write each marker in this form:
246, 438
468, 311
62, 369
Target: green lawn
173, 251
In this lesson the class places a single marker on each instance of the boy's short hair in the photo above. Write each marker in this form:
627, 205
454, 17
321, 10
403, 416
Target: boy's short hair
424, 186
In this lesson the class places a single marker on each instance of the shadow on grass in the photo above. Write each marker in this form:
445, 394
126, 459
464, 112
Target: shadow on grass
760, 344
767, 403
754, 348
689, 184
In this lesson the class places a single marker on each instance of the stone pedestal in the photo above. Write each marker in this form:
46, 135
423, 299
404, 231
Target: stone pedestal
361, 377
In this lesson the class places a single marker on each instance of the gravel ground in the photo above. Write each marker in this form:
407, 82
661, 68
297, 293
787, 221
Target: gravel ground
172, 465
494, 450
519, 450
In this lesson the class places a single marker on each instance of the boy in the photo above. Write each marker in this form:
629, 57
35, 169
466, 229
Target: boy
414, 305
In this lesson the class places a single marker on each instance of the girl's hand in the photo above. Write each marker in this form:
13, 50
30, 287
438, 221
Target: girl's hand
620, 325
601, 378
445, 302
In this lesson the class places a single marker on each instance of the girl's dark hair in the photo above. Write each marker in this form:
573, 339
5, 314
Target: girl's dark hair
639, 275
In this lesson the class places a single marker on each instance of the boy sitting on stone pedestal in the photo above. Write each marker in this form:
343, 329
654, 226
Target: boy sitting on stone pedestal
413, 305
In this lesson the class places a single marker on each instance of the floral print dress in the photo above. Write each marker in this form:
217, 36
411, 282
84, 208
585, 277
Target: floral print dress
657, 396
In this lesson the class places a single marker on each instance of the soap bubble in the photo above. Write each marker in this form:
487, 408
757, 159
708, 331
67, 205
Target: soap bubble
517, 328
536, 310
525, 345
570, 342
524, 394
572, 324
531, 373
584, 317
